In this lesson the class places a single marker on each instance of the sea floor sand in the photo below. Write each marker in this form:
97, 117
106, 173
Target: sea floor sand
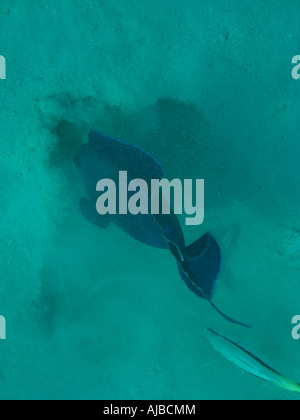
206, 87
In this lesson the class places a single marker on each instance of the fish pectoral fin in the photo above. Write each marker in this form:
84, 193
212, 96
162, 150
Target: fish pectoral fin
88, 209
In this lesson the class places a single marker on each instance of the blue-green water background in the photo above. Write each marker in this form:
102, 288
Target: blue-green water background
206, 87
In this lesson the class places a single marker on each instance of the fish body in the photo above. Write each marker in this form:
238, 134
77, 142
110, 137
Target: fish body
248, 362
102, 157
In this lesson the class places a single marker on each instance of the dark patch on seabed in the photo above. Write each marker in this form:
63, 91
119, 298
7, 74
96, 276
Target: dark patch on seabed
177, 133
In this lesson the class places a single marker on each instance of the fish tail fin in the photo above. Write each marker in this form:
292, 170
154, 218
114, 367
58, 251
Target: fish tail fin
204, 260
228, 318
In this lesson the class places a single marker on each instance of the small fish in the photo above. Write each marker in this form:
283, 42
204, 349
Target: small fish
248, 362
103, 157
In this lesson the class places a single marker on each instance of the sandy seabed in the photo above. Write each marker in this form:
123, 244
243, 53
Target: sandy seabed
206, 87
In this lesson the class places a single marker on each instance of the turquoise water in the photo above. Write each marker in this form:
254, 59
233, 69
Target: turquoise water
206, 87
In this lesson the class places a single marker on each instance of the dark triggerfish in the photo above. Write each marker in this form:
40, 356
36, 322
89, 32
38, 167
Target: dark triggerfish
103, 158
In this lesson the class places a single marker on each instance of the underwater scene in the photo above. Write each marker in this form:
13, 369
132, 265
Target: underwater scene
101, 296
